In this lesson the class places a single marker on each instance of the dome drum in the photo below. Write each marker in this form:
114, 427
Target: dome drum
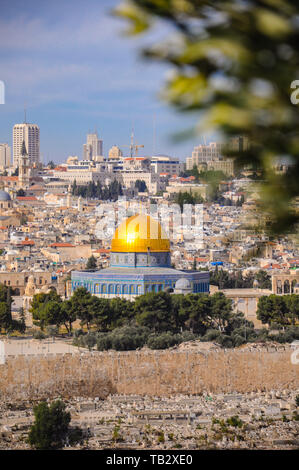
142, 259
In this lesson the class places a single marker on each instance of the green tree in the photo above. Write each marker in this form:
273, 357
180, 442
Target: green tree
6, 321
292, 304
154, 310
187, 198
264, 280
220, 314
50, 427
91, 263
22, 320
273, 309
83, 304
102, 314
46, 309
194, 310
68, 315
233, 63
141, 186
5, 316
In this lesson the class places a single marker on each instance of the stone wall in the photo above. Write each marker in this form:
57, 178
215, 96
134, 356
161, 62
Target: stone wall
160, 373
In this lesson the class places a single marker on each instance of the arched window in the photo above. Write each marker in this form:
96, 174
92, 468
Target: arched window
279, 287
132, 289
153, 287
139, 289
294, 282
110, 290
118, 289
104, 288
125, 289
286, 287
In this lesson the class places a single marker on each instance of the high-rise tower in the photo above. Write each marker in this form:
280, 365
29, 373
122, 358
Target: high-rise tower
28, 133
93, 147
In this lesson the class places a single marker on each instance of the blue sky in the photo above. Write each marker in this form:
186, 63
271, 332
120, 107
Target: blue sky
70, 64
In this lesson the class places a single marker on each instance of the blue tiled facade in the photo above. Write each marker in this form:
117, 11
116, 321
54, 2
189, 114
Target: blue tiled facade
131, 282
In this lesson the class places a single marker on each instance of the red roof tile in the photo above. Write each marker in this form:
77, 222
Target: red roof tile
62, 245
26, 198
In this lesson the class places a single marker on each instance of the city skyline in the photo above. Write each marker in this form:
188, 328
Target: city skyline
59, 67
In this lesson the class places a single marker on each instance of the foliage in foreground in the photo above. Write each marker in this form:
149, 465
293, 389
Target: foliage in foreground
233, 64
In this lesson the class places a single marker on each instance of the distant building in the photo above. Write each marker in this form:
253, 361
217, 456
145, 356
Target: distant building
176, 187
227, 166
166, 165
115, 153
93, 147
152, 180
5, 153
205, 153
28, 133
238, 143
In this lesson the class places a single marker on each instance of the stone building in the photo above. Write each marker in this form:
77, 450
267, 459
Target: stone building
139, 263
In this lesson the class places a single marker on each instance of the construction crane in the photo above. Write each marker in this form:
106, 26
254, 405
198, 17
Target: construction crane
133, 147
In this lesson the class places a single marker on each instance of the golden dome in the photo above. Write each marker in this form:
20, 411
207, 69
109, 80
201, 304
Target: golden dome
139, 234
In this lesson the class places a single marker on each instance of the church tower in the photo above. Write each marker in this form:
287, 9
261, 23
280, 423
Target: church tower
24, 168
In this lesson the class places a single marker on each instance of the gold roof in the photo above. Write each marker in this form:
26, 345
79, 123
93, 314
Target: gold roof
138, 234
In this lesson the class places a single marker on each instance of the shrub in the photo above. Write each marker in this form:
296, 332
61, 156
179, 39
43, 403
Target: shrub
225, 341
104, 342
89, 340
238, 340
187, 336
163, 341
78, 333
38, 334
235, 421
52, 330
211, 335
125, 338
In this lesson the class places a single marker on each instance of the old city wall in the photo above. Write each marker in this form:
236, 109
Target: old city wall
160, 373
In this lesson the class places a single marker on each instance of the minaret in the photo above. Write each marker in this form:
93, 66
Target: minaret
24, 168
